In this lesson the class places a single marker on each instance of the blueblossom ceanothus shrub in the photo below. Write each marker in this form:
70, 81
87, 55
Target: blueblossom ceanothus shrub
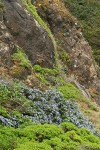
51, 107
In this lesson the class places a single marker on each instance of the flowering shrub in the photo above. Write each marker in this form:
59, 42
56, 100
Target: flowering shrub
51, 107
43, 107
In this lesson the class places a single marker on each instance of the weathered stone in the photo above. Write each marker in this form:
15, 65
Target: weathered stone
18, 27
27, 33
7, 46
70, 38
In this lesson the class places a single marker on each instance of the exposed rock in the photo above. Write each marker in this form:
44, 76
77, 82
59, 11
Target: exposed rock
19, 28
67, 32
7, 46
26, 33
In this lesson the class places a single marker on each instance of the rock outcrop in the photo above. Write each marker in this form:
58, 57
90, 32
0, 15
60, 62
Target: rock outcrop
67, 32
19, 28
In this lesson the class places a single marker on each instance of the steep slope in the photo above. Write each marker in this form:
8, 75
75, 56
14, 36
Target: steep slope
69, 38
46, 52
88, 13
35, 115
22, 29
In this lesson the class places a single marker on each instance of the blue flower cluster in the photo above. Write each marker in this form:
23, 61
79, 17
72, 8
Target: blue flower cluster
50, 107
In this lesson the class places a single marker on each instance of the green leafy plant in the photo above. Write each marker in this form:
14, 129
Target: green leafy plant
34, 145
4, 112
9, 91
46, 75
1, 6
70, 91
13, 104
68, 126
64, 57
7, 138
22, 58
47, 136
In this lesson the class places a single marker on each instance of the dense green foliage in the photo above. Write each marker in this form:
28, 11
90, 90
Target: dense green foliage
88, 12
22, 58
48, 137
13, 102
46, 75
70, 91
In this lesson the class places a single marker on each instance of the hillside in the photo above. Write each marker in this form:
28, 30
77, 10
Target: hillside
49, 82
88, 13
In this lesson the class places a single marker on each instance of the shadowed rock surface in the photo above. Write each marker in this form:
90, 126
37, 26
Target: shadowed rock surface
26, 33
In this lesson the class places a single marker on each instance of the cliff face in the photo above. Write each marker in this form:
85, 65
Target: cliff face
67, 32
88, 14
19, 28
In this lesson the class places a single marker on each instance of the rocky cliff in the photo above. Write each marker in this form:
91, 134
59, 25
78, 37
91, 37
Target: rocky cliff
48, 77
21, 28
67, 32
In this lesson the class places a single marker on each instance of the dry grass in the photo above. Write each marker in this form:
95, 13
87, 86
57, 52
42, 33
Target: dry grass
94, 115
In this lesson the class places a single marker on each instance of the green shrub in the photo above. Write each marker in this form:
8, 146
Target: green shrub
4, 93
84, 132
47, 71
4, 112
47, 137
16, 113
46, 75
7, 138
34, 146
96, 53
73, 136
62, 144
10, 91
93, 106
41, 132
68, 126
91, 146
70, 91
56, 143
22, 58
63, 55
92, 139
